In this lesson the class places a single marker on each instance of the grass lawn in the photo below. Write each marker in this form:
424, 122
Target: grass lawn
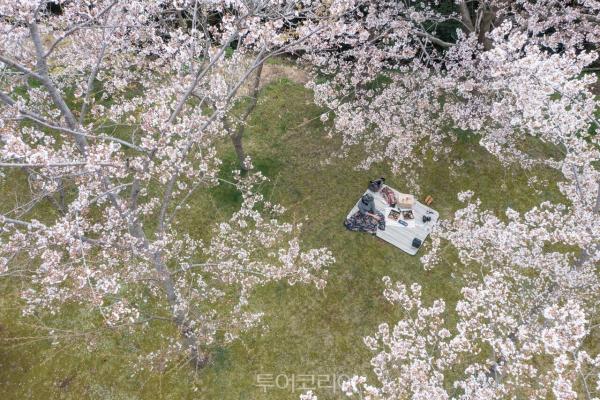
309, 332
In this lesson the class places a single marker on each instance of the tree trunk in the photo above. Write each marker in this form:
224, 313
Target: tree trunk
198, 358
236, 140
486, 18
237, 135
466, 17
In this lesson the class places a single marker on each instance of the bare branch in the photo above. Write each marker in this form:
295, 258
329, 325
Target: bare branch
434, 40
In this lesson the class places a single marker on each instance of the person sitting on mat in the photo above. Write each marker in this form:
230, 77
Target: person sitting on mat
367, 218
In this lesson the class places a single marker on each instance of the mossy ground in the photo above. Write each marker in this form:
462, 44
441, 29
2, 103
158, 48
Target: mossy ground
309, 332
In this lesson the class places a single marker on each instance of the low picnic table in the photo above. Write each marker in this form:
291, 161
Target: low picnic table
399, 235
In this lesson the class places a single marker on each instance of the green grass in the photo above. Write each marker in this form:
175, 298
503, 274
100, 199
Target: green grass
309, 332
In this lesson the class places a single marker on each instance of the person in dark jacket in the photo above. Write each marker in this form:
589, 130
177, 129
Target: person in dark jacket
367, 218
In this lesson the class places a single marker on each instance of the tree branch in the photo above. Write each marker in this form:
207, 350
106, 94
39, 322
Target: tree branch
15, 65
42, 121
77, 27
56, 97
434, 40
466, 16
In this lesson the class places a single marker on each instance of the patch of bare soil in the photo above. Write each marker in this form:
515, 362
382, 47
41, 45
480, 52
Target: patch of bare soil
274, 72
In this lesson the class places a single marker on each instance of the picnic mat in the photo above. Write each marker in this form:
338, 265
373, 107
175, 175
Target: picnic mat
397, 234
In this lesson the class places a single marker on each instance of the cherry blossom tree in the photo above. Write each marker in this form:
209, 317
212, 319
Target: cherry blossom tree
111, 113
400, 77
420, 357
113, 110
524, 316
395, 83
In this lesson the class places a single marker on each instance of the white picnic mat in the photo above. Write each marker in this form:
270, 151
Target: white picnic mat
397, 234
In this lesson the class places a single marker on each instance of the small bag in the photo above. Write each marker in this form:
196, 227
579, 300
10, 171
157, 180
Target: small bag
416, 243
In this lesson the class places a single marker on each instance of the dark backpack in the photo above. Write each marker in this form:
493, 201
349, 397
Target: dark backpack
375, 186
